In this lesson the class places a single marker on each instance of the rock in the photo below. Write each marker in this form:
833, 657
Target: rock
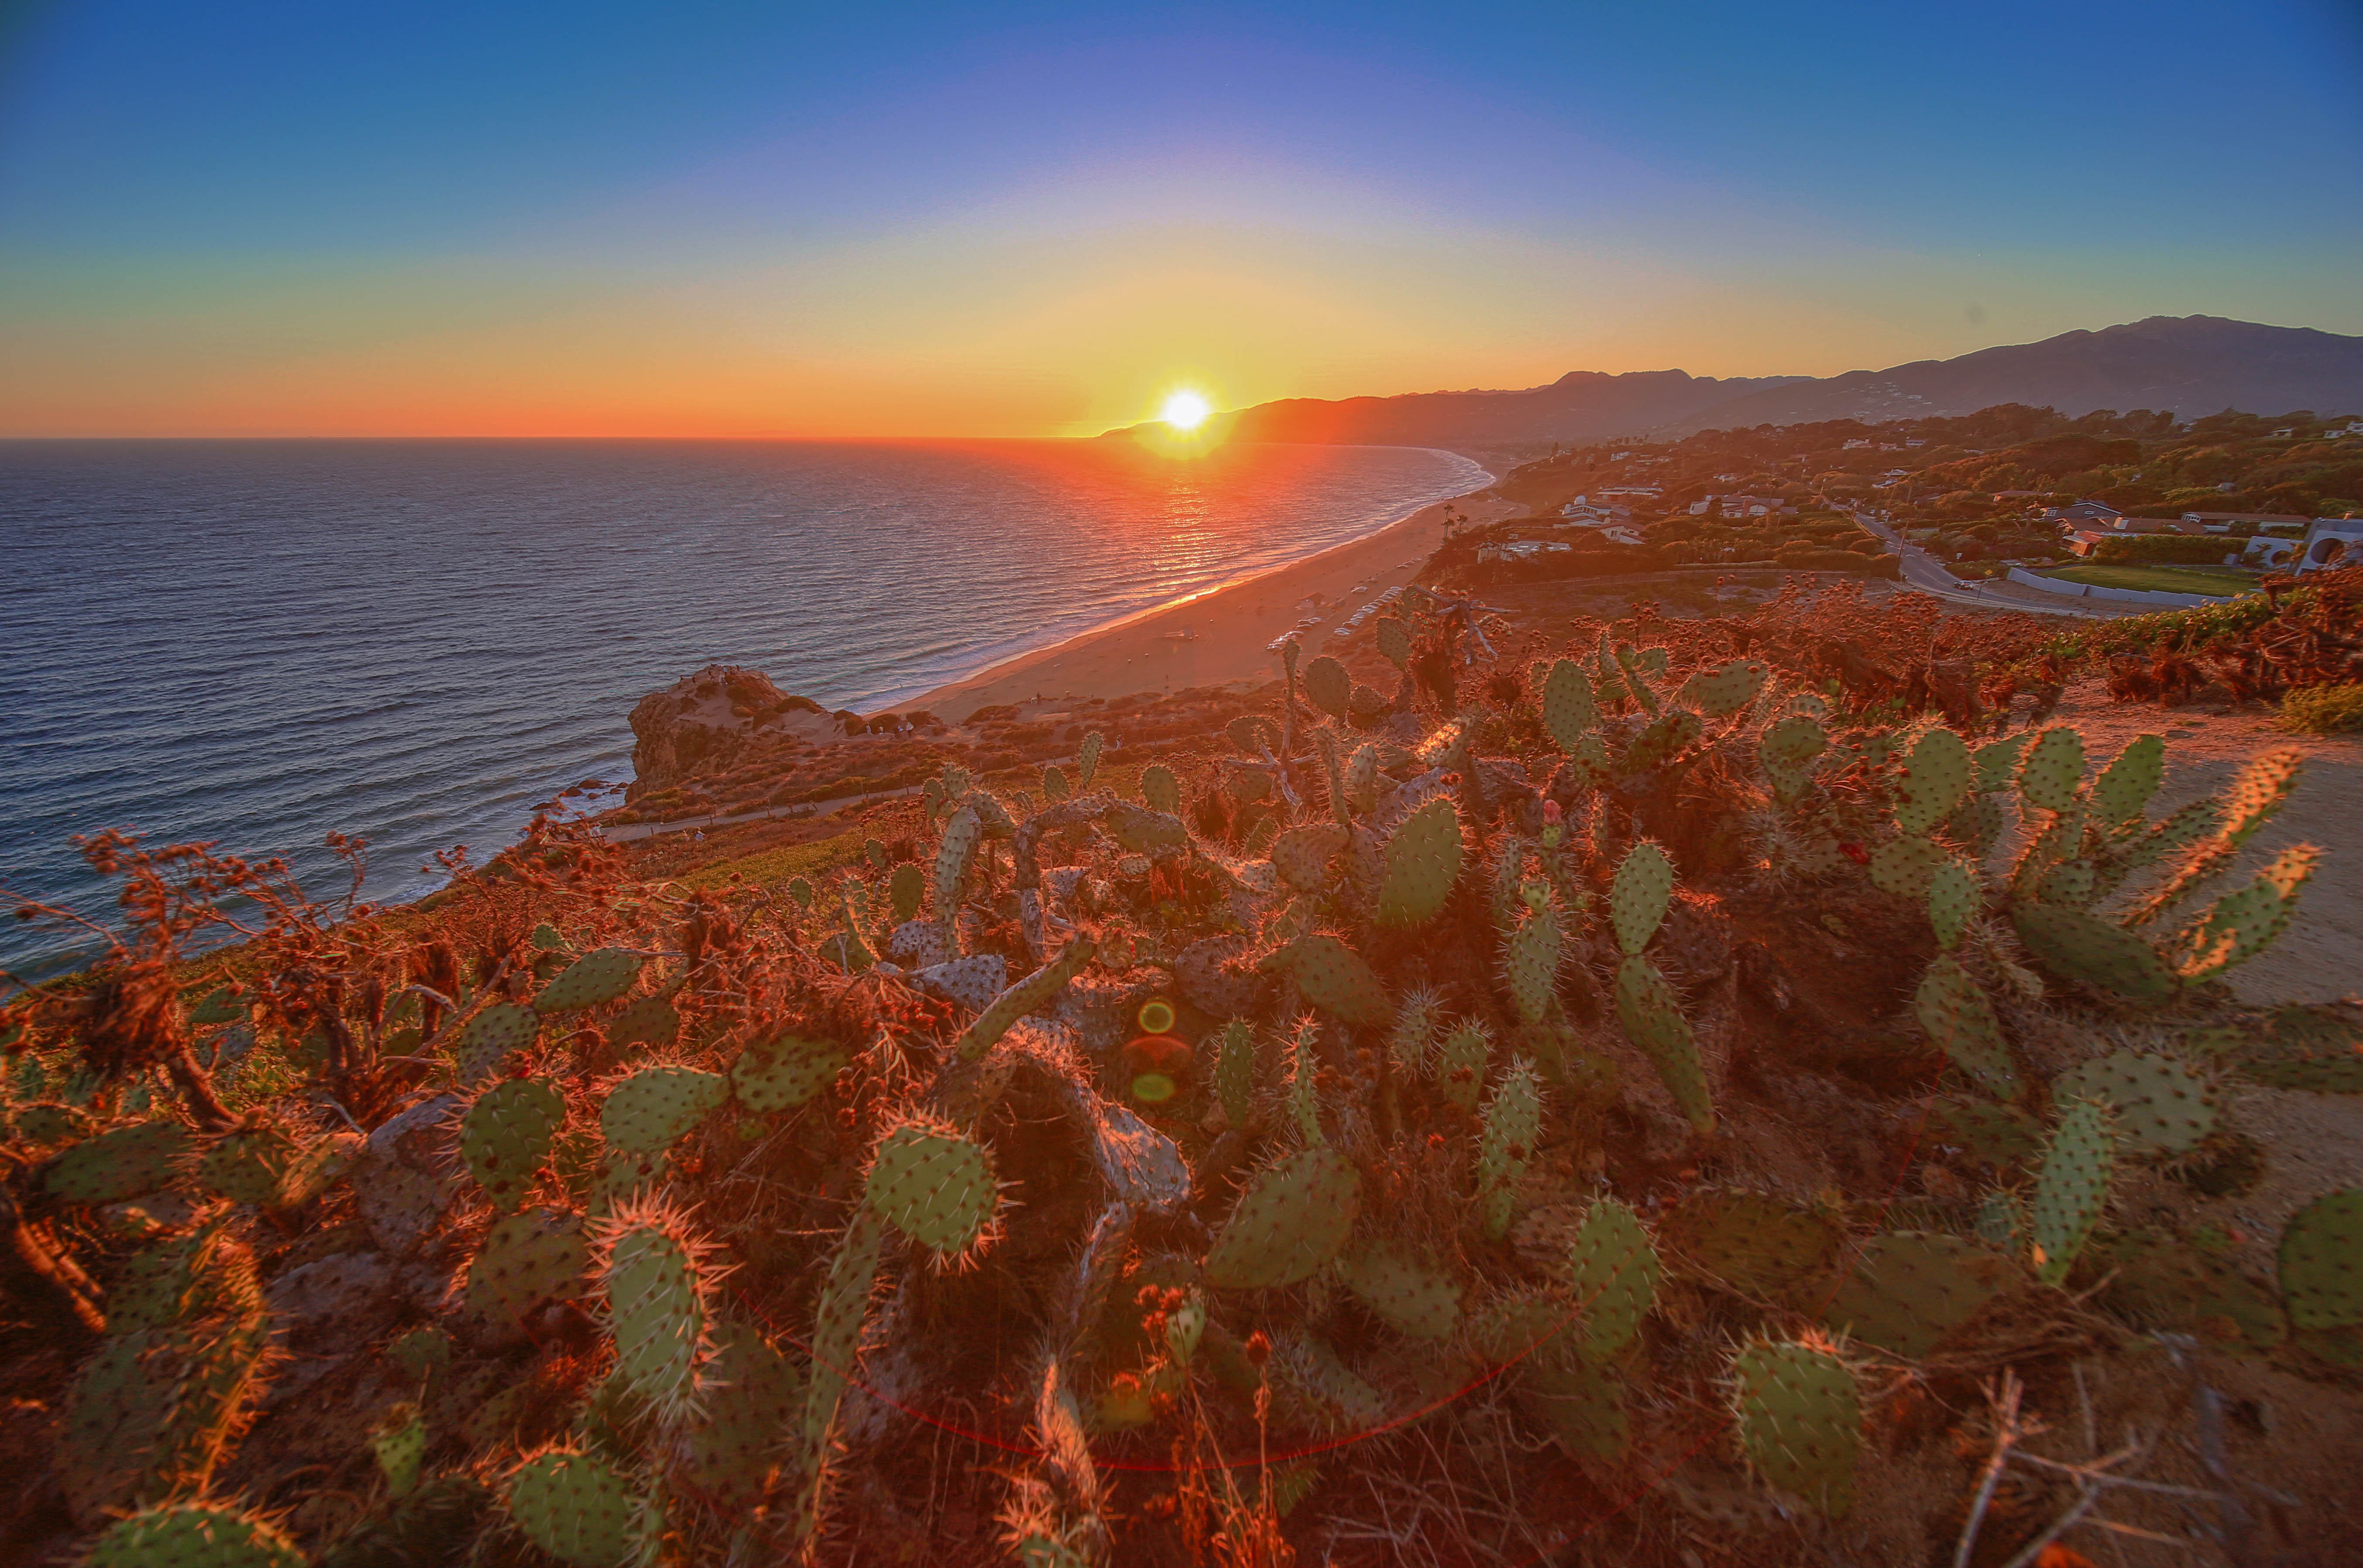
408, 1175
328, 1309
706, 722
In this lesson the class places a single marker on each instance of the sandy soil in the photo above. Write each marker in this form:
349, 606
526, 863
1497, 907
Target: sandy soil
1231, 625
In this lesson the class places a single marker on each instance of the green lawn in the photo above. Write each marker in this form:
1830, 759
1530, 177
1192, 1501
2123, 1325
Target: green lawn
2162, 579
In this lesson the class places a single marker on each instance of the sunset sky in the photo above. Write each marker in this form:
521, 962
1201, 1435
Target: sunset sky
1026, 219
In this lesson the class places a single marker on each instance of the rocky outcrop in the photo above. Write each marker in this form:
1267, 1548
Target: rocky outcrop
707, 722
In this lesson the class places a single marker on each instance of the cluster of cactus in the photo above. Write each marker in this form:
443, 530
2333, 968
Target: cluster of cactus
1329, 1033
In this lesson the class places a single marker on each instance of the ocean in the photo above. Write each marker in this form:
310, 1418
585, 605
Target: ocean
259, 641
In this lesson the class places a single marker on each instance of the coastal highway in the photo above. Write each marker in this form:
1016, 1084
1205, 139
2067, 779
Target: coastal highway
1928, 574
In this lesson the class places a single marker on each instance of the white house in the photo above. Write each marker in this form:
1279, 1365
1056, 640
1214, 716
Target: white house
2333, 542
2266, 550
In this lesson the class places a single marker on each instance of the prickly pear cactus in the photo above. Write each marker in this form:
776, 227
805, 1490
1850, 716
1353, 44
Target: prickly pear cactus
1906, 867
2078, 946
1513, 1119
1409, 1297
2318, 1047
1335, 978
2052, 770
1569, 708
527, 1261
1798, 1412
2124, 788
250, 1164
1530, 961
1955, 896
935, 1185
1653, 1019
1787, 752
1301, 855
193, 1535
1328, 685
655, 1108
784, 1073
1722, 691
1423, 861
1035, 990
657, 1307
125, 1163
731, 1448
1614, 1269
1461, 1063
1937, 776
492, 1037
1234, 1071
591, 981
648, 1021
1160, 790
1908, 1289
1954, 1010
1638, 896
578, 1508
1291, 1220
2162, 1105
2072, 1187
1751, 1242
505, 1137
2322, 1262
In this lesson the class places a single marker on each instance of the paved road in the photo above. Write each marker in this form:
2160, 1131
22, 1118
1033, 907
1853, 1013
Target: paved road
1926, 572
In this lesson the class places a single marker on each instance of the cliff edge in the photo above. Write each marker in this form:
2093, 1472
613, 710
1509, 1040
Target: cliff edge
708, 721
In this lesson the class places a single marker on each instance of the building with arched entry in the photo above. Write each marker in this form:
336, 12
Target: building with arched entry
2332, 542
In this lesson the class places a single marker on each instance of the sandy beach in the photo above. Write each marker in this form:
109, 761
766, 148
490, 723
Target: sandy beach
1217, 636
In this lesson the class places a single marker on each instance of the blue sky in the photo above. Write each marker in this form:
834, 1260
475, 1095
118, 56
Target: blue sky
1002, 220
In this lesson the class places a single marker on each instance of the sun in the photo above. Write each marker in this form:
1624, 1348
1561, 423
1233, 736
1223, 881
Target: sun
1186, 410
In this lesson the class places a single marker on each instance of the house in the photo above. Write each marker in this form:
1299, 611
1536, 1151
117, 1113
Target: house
2266, 550
1753, 505
1857, 445
2332, 542
1699, 508
2083, 541
2084, 512
2221, 522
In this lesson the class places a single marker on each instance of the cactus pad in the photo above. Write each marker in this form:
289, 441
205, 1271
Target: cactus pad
1423, 861
1998, 1134
656, 1305
1953, 1008
1412, 1299
506, 1137
1569, 708
1644, 886
1799, 1415
935, 1185
649, 1111
1751, 1242
731, 1450
1614, 1268
2077, 946
1935, 778
2318, 1047
784, 1073
124, 1163
1160, 790
591, 981
1301, 855
250, 1164
1906, 867
974, 982
2052, 769
1513, 1121
526, 1260
492, 1037
907, 888
2322, 1262
193, 1535
648, 1021
1335, 978
1722, 691
1461, 1062
1954, 898
1014, 1002
2163, 1105
2122, 790
1653, 1019
1291, 1220
1530, 963
1908, 1289
2071, 1187
1328, 685
576, 1508
1668, 736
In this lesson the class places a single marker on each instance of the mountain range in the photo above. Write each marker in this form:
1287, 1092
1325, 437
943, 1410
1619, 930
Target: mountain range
2190, 365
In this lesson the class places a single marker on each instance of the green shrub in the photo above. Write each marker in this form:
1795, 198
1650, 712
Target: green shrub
2323, 710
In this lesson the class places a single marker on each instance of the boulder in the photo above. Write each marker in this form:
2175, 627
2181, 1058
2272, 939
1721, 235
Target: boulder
706, 723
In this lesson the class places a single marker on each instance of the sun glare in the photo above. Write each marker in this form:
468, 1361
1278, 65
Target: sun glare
1186, 410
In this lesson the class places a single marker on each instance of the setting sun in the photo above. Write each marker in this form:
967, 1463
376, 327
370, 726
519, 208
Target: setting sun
1186, 410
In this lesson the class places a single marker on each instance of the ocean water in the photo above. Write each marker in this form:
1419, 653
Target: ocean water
255, 643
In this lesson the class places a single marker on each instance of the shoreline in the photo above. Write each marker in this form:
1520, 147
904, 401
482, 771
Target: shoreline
1226, 626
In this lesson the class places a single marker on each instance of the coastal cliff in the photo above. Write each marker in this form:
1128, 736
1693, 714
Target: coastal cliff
707, 722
